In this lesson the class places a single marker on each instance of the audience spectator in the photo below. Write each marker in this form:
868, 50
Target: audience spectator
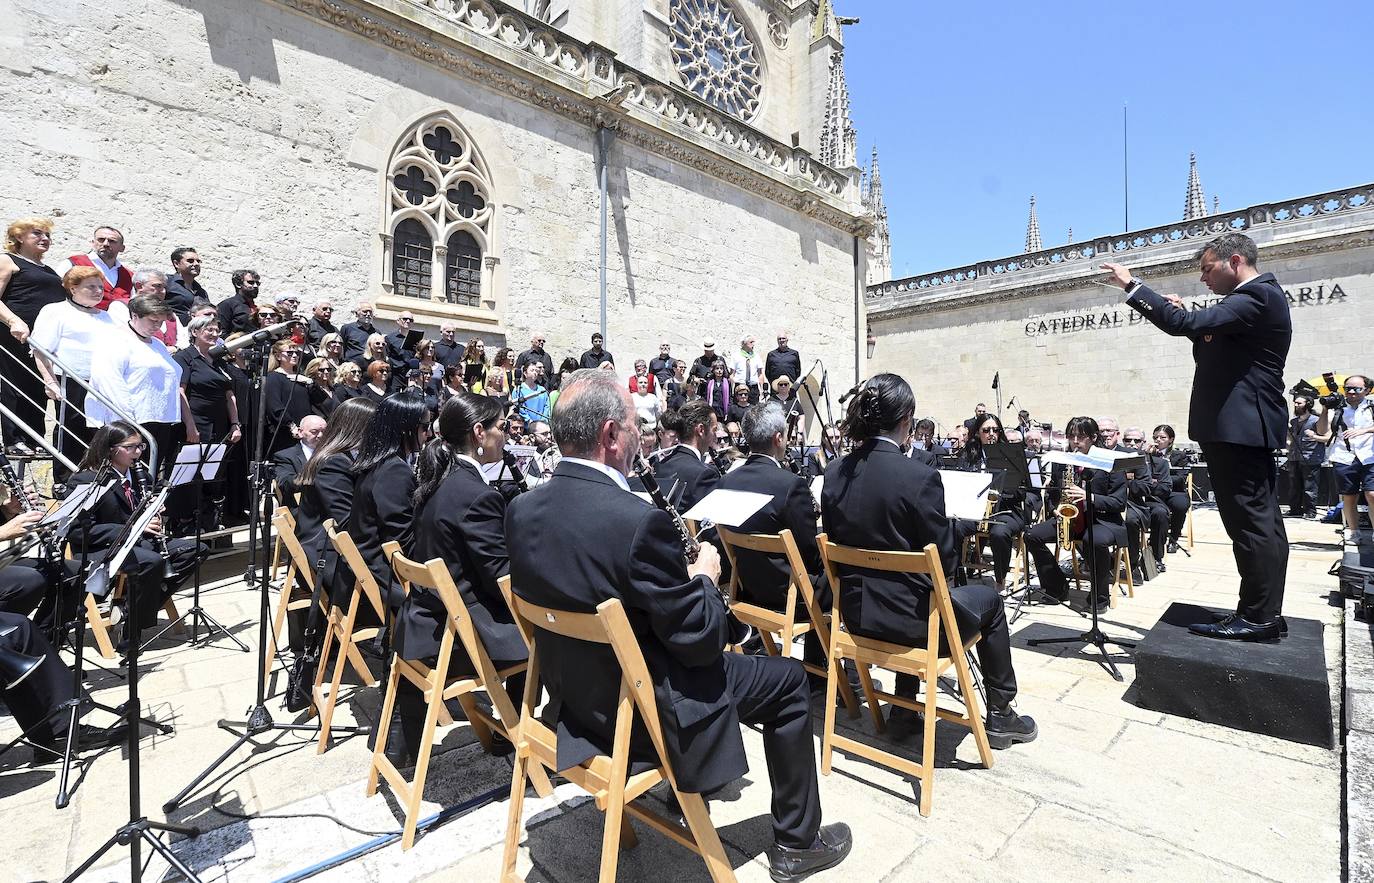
535, 354
27, 285
738, 405
321, 323
320, 373
431, 369
452, 384
701, 368
641, 372
596, 356
107, 244
500, 379
568, 366
153, 283
661, 366
678, 388
182, 288
378, 384
475, 367
647, 405
357, 333
783, 361
288, 398
240, 311
746, 369
717, 391
531, 396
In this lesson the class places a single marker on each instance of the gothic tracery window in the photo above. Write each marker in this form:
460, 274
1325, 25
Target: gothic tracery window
439, 215
716, 56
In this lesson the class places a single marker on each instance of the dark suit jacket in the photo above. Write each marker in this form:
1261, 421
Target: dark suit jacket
329, 496
875, 498
288, 402
1108, 492
464, 523
1240, 346
108, 516
926, 458
777, 363
696, 478
382, 511
594, 542
763, 578
286, 466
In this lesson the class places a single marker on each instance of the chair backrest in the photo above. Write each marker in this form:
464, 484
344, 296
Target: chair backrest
769, 544
608, 625
344, 545
285, 523
433, 575
925, 562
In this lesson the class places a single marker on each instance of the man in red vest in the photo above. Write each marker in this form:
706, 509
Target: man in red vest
106, 244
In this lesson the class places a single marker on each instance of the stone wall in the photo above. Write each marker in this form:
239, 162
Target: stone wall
260, 136
1065, 346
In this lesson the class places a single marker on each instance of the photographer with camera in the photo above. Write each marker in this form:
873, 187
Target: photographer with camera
1348, 428
1306, 453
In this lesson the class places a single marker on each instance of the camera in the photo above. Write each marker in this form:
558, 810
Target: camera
1329, 395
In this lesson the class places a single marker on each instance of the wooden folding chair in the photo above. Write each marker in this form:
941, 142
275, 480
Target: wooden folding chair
434, 682
279, 547
1188, 524
926, 663
100, 622
781, 622
1122, 579
607, 777
341, 633
292, 597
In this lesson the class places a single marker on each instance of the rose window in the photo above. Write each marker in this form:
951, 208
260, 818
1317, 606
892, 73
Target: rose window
716, 56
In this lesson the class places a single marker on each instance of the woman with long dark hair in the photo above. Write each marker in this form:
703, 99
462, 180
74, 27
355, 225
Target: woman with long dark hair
1008, 518
876, 498
326, 487
383, 509
120, 446
476, 356
460, 518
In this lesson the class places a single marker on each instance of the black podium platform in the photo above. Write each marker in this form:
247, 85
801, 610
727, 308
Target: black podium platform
1275, 689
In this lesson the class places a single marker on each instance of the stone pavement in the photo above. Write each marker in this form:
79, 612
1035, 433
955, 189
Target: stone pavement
1109, 787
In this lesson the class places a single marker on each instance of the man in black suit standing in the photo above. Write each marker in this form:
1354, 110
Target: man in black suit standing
598, 541
1238, 415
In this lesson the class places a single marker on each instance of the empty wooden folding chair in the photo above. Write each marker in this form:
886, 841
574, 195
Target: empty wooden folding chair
781, 623
437, 686
606, 777
926, 663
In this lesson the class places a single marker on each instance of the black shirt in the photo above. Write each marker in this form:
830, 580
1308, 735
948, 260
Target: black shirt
662, 368
448, 354
206, 385
780, 362
355, 336
593, 358
237, 313
181, 295
317, 329
30, 289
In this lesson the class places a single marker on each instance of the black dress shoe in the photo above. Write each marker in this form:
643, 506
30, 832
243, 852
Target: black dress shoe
832, 844
1283, 627
1237, 628
1173, 546
1159, 565
1005, 728
903, 723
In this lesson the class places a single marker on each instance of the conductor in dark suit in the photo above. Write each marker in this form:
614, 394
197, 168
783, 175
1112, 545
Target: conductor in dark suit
1238, 414
598, 541
875, 498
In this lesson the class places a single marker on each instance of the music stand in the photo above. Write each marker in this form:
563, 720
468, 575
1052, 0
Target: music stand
1093, 635
195, 465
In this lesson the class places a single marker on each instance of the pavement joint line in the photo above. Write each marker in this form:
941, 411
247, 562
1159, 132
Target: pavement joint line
1118, 734
1006, 842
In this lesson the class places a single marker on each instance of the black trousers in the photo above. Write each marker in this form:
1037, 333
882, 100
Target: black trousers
1105, 537
1157, 514
21, 588
1245, 484
408, 722
1178, 505
145, 565
1136, 518
21, 390
45, 688
29, 585
813, 653
1003, 529
772, 692
1303, 486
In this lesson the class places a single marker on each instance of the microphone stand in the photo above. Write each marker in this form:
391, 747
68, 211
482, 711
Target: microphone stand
198, 613
139, 828
1094, 635
259, 538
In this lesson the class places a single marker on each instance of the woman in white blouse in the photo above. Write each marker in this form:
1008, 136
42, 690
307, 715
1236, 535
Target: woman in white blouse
140, 376
647, 406
72, 330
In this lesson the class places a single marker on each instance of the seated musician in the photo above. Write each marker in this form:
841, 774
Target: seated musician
875, 498
460, 518
1134, 516
1008, 519
686, 464
1177, 497
384, 484
288, 463
598, 541
1109, 501
922, 447
24, 584
1148, 489
119, 445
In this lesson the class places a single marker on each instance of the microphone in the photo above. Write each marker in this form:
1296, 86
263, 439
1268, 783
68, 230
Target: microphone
853, 389
269, 334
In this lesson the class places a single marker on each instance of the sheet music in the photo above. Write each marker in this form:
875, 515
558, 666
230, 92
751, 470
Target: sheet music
730, 508
966, 493
1037, 474
136, 533
189, 461
81, 497
1097, 458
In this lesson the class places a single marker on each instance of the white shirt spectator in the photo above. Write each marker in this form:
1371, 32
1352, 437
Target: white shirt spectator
1362, 447
747, 369
647, 407
140, 377
119, 310
74, 335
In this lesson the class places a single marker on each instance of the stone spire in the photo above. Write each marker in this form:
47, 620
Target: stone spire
1070, 236
837, 129
880, 265
1033, 231
824, 24
1195, 204
1216, 204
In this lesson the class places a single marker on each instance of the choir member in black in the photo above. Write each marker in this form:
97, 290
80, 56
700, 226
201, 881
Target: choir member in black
358, 333
27, 285
678, 388
239, 312
685, 465
875, 498
1008, 519
119, 444
1148, 488
382, 498
597, 541
320, 373
460, 518
1108, 526
451, 383
348, 383
398, 355
210, 393
235, 469
325, 487
378, 384
321, 324
783, 361
1177, 498
375, 351
288, 398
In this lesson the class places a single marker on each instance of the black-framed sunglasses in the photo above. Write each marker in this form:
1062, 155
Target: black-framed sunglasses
1133, 440
1354, 389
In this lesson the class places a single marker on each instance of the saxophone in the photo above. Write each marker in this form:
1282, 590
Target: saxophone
1070, 518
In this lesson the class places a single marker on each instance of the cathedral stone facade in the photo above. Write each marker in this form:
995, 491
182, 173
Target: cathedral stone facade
442, 157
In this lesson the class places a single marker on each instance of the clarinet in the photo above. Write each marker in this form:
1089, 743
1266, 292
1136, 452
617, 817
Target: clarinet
139, 472
691, 546
12, 482
522, 481
718, 460
51, 556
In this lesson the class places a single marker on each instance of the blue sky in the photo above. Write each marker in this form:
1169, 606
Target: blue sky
976, 106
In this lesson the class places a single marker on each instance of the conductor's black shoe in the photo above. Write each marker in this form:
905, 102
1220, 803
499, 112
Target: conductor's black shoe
88, 738
903, 723
1283, 627
1237, 628
1005, 728
832, 844
1173, 546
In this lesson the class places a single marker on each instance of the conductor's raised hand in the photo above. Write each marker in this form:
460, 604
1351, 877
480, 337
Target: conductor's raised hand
1116, 275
